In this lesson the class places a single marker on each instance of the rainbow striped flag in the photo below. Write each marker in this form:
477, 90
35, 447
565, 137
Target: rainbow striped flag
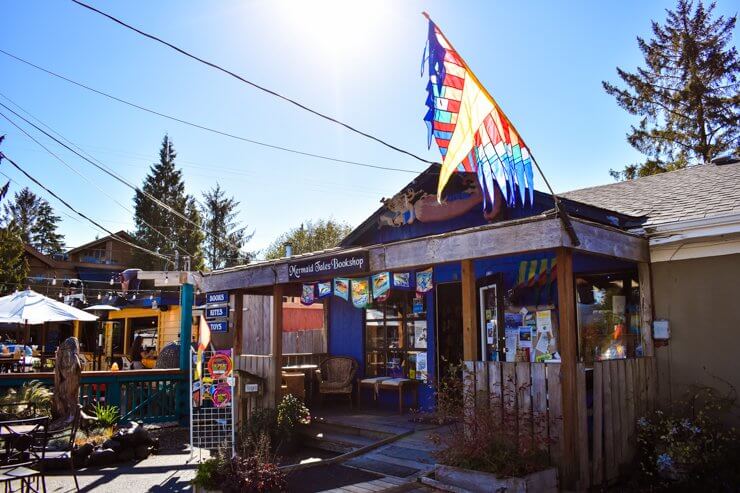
471, 131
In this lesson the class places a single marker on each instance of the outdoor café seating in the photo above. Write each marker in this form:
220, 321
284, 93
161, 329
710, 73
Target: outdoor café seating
23, 447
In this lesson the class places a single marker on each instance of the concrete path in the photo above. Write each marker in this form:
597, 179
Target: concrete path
169, 471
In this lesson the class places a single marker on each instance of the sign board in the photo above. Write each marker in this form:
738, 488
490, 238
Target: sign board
217, 312
217, 297
341, 264
251, 387
220, 326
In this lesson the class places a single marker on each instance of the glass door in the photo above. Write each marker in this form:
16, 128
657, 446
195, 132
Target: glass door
488, 297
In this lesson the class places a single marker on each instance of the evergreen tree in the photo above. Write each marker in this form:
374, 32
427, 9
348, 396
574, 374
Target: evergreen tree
225, 240
311, 237
13, 263
164, 182
687, 94
36, 222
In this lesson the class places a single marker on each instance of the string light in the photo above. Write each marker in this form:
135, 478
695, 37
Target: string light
54, 281
60, 295
166, 278
111, 281
99, 296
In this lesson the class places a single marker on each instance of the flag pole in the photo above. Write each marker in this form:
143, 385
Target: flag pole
559, 209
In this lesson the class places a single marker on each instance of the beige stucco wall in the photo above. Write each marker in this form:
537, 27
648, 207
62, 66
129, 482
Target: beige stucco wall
701, 300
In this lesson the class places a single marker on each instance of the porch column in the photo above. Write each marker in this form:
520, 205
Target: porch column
469, 312
276, 344
568, 370
646, 308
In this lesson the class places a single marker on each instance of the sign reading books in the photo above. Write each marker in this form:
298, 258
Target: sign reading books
342, 264
217, 297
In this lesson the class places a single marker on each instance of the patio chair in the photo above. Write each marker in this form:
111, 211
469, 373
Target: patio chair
60, 443
336, 375
24, 444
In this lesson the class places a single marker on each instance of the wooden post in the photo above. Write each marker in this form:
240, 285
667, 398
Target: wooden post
646, 308
276, 343
238, 307
76, 329
469, 312
568, 347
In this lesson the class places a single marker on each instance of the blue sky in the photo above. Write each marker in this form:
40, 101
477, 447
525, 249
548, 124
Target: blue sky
357, 61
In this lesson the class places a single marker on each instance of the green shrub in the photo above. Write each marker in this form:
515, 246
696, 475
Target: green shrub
291, 412
31, 399
107, 415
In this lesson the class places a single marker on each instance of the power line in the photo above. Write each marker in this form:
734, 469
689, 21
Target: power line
253, 84
80, 174
204, 127
82, 215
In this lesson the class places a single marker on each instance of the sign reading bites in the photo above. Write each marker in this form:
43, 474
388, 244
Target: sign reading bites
217, 312
326, 267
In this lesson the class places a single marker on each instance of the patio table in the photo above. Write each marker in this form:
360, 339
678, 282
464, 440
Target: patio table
309, 371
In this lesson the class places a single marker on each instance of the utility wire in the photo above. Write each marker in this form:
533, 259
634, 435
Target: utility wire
253, 84
84, 177
203, 127
111, 173
82, 215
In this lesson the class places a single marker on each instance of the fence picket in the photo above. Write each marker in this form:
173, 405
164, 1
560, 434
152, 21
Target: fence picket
495, 392
555, 417
524, 405
539, 406
597, 454
630, 408
582, 442
610, 463
481, 385
509, 399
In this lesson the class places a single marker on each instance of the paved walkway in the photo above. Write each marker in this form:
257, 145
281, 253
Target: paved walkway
171, 470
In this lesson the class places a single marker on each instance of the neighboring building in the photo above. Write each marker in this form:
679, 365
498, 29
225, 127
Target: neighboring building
692, 220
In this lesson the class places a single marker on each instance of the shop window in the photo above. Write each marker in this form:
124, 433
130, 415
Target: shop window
608, 316
146, 328
396, 337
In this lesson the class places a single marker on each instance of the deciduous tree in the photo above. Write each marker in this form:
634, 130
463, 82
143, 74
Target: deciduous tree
309, 237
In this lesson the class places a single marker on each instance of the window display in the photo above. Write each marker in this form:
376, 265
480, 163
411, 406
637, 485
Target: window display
608, 316
396, 337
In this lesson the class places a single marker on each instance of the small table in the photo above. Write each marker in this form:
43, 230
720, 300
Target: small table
387, 383
309, 371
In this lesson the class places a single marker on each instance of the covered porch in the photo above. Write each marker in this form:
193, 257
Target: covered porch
584, 391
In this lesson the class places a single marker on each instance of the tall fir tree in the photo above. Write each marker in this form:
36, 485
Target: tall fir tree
13, 263
226, 239
165, 182
36, 222
687, 94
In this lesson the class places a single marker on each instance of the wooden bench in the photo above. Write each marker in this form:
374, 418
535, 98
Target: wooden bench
388, 383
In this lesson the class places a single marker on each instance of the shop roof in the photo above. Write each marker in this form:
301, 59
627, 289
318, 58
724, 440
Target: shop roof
696, 192
119, 234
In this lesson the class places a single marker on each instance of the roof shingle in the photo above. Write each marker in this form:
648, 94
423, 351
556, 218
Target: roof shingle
691, 193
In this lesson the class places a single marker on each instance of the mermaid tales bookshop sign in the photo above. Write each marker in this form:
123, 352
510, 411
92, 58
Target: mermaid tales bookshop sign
342, 264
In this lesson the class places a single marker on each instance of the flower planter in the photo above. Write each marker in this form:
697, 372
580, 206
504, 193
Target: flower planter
485, 482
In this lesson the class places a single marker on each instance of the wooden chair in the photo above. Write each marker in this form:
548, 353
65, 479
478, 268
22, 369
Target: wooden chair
336, 376
24, 446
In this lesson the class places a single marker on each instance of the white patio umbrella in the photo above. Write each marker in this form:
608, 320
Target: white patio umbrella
32, 308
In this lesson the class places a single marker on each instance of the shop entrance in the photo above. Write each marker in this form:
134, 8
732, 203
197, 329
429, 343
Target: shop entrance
449, 327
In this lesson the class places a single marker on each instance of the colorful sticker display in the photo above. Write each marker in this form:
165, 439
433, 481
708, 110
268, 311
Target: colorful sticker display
219, 366
360, 293
221, 395
324, 289
307, 294
341, 287
381, 284
424, 281
402, 279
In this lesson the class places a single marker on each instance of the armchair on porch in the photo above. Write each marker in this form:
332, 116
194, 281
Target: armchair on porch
336, 375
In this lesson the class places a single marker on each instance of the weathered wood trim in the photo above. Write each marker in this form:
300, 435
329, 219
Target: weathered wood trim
646, 308
569, 353
276, 342
469, 311
512, 237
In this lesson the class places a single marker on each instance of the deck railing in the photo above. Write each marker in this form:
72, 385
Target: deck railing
140, 395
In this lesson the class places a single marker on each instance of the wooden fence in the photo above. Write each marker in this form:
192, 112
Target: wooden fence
524, 400
623, 391
304, 341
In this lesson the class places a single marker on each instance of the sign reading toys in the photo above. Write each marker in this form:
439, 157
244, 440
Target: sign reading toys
327, 267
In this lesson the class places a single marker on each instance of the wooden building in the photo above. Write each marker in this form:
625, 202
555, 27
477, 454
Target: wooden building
556, 335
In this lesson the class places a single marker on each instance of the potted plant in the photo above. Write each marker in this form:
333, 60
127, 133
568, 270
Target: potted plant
291, 414
237, 474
